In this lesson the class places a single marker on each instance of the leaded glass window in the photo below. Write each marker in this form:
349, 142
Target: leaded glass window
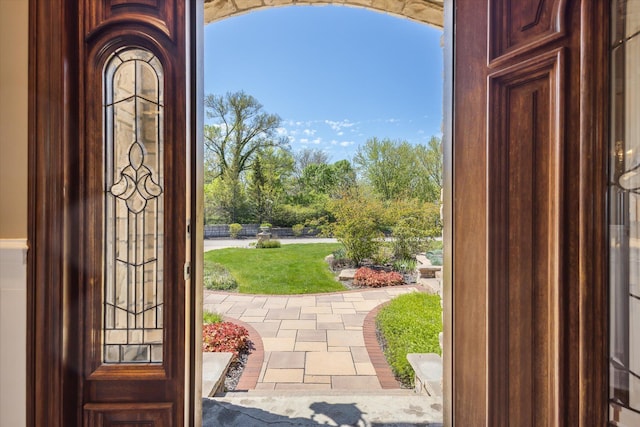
624, 216
134, 208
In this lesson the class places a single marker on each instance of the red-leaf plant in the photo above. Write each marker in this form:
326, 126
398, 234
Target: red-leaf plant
376, 279
225, 337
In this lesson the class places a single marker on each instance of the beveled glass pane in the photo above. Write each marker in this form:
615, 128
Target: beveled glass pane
155, 63
632, 103
124, 80
135, 353
153, 335
108, 80
134, 201
117, 336
112, 353
147, 82
634, 394
625, 22
136, 336
156, 353
624, 215
130, 55
148, 128
632, 18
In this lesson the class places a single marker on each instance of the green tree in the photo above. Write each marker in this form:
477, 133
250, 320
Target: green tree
240, 129
309, 156
225, 202
429, 162
358, 224
268, 180
414, 225
320, 182
399, 170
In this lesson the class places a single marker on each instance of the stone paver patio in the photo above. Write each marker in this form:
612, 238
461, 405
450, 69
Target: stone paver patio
310, 342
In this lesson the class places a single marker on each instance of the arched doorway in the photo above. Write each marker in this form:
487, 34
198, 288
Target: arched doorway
429, 12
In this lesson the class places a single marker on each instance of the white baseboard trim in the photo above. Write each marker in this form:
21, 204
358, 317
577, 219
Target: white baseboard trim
13, 244
13, 264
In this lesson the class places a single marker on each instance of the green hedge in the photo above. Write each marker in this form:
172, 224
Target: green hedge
410, 323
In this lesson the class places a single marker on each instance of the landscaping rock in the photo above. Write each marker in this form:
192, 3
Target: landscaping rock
422, 259
347, 274
425, 267
329, 259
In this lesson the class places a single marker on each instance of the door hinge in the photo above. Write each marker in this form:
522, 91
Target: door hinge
187, 270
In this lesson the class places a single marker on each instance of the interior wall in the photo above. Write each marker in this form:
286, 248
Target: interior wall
14, 72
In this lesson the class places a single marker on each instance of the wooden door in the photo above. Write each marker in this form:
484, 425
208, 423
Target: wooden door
135, 137
109, 168
529, 147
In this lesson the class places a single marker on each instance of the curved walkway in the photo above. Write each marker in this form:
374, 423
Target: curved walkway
312, 342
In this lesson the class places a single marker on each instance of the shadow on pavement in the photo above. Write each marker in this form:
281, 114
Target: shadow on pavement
225, 414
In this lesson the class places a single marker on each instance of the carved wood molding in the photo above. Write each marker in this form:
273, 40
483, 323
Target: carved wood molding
157, 14
516, 27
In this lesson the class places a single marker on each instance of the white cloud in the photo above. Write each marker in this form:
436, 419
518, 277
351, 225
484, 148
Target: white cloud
339, 125
303, 140
346, 143
340, 133
317, 141
309, 132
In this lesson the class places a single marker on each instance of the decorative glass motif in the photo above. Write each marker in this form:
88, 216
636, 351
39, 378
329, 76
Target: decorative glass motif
134, 208
624, 216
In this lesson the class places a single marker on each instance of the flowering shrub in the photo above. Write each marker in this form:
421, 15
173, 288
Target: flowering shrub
376, 279
217, 277
225, 337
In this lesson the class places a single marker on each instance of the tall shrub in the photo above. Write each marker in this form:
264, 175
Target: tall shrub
234, 230
413, 226
358, 225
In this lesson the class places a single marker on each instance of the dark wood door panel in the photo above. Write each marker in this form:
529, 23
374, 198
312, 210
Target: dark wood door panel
129, 415
528, 277
524, 187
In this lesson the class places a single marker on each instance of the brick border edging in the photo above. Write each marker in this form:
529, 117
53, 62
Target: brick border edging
253, 367
379, 362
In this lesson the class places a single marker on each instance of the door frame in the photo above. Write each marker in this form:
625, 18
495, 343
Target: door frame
53, 121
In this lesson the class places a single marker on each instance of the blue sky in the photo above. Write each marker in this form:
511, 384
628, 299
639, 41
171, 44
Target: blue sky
336, 75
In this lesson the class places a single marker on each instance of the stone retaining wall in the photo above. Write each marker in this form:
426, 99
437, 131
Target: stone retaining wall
251, 230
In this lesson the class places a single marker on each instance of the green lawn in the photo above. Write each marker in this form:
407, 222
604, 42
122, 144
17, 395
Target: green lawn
290, 269
410, 323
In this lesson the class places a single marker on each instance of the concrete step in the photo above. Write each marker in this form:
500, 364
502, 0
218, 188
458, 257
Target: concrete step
214, 371
428, 372
346, 408
294, 393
